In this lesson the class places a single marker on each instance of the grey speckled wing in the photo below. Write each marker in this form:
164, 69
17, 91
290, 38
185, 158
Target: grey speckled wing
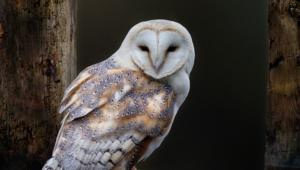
112, 115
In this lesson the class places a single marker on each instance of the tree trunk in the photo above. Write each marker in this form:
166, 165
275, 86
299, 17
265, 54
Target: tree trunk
37, 49
283, 115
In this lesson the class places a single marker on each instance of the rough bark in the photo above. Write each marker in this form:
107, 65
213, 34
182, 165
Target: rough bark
283, 115
32, 33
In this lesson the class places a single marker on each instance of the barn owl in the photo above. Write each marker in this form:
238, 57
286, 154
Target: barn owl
120, 110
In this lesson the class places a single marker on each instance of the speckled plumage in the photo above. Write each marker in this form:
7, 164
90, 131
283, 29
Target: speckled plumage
117, 113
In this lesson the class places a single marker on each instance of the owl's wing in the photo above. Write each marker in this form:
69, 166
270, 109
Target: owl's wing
111, 118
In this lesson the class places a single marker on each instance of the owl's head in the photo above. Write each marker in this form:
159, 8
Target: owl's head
160, 48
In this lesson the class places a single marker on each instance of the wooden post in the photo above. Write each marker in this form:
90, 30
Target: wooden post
283, 115
37, 41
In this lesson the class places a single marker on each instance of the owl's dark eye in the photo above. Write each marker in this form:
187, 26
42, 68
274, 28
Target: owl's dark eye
172, 48
144, 48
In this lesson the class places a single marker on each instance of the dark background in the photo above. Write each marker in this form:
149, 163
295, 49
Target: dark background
221, 124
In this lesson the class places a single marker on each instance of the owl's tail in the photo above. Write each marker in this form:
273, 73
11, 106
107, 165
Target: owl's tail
52, 164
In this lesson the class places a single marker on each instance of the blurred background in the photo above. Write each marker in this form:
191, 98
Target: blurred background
221, 124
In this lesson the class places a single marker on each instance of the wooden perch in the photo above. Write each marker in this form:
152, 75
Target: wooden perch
283, 115
36, 37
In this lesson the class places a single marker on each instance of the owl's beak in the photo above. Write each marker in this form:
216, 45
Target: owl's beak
157, 62
156, 67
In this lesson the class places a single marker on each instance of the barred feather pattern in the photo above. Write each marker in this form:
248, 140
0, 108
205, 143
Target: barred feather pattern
112, 115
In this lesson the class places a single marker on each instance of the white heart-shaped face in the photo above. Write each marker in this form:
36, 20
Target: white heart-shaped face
159, 54
159, 48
